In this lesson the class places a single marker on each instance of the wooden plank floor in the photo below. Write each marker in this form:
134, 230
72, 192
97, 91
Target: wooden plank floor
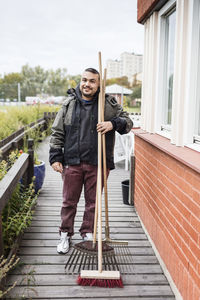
41, 274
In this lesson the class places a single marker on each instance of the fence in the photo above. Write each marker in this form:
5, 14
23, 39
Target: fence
23, 167
16, 140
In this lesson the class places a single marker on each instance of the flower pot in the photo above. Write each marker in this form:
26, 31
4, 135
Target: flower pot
39, 173
125, 191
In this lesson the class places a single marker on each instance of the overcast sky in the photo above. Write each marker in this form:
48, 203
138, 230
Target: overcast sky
66, 33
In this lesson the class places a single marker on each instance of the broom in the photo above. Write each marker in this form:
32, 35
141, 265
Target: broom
100, 277
122, 252
107, 229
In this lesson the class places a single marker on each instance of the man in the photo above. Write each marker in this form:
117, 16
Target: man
75, 131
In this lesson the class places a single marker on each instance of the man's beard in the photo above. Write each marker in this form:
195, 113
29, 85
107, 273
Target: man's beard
90, 95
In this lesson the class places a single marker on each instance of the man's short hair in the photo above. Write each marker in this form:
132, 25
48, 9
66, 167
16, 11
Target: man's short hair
92, 70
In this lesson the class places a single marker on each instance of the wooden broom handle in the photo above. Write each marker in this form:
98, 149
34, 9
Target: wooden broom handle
99, 172
95, 219
104, 160
104, 168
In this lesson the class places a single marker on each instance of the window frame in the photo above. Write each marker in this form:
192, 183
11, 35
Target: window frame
162, 127
194, 89
197, 117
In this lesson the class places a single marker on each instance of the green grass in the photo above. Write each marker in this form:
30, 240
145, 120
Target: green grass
133, 109
14, 118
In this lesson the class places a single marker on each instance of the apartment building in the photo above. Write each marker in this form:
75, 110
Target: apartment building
128, 65
113, 68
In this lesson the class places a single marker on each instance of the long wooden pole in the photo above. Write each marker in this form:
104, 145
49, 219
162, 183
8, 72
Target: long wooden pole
107, 233
99, 173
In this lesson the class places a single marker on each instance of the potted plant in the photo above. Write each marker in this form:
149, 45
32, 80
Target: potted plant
39, 173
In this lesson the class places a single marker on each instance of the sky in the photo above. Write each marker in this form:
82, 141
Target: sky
66, 33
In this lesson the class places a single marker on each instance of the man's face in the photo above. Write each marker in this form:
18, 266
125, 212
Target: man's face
89, 85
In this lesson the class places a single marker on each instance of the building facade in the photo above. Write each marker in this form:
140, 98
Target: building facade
167, 147
128, 65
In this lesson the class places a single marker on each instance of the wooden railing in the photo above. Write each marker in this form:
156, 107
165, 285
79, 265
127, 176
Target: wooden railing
22, 168
16, 140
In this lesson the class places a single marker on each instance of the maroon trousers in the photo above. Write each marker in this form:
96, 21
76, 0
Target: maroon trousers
74, 178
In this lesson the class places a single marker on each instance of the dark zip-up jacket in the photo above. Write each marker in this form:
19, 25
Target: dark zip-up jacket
65, 138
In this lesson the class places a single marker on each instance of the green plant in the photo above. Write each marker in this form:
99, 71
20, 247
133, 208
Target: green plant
17, 214
5, 266
6, 165
3, 168
29, 281
14, 118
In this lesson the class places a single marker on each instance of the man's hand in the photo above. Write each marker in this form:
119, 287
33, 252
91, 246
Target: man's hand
57, 166
104, 127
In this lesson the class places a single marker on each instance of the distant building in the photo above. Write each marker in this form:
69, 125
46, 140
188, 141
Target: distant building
113, 68
131, 64
128, 65
118, 92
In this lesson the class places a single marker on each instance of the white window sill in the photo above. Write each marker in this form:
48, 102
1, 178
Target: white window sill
164, 133
194, 146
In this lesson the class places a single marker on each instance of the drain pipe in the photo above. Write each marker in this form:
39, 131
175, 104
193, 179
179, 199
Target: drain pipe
132, 180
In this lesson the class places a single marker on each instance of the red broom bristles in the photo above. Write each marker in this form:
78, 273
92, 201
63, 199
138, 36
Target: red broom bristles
111, 283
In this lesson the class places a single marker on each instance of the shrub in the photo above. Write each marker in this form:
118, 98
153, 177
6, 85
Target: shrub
14, 118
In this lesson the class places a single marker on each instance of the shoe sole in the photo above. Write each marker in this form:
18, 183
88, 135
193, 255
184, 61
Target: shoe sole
62, 252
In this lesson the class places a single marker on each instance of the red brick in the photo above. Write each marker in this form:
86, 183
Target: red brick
195, 222
192, 232
183, 234
194, 276
194, 208
196, 196
190, 255
196, 293
190, 294
192, 177
195, 249
180, 278
185, 284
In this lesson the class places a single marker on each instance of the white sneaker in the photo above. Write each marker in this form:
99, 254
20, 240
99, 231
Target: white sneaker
88, 237
63, 246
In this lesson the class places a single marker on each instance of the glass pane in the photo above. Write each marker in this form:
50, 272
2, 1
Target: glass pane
198, 87
170, 45
198, 111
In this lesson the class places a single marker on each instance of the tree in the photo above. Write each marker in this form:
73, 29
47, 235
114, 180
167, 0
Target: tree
57, 82
9, 85
73, 80
36, 81
136, 92
119, 80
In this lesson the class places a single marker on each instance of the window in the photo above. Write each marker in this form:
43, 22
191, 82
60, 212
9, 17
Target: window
171, 80
169, 22
197, 127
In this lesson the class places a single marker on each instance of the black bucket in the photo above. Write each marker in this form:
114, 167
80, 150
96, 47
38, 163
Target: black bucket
125, 191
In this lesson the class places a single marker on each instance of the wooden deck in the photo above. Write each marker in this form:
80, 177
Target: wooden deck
42, 275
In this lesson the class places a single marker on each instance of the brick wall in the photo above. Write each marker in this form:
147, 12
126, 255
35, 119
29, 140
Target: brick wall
167, 198
146, 7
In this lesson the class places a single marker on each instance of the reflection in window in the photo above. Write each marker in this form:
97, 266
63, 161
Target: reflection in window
198, 89
169, 48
